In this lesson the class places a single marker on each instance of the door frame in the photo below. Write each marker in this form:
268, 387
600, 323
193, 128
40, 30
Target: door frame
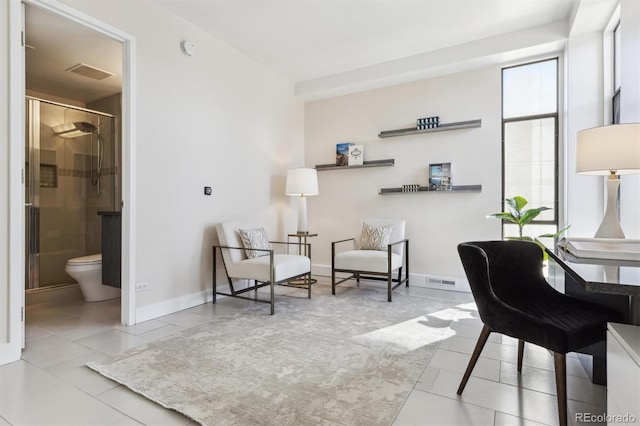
11, 351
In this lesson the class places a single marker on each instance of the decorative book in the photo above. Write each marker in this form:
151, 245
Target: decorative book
342, 153
440, 176
356, 155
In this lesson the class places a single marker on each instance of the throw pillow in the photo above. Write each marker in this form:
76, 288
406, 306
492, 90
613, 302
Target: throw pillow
253, 239
375, 237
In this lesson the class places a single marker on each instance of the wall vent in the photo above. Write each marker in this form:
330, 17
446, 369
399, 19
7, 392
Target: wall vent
440, 281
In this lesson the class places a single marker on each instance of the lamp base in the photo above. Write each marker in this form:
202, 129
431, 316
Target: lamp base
303, 227
610, 226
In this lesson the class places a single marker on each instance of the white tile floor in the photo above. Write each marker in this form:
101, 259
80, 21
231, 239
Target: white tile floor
52, 386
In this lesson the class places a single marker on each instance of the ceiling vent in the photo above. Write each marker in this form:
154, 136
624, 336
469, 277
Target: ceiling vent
89, 71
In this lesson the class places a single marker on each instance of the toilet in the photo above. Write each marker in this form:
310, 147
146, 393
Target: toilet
87, 270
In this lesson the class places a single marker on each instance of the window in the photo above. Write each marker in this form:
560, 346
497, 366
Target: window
616, 75
530, 141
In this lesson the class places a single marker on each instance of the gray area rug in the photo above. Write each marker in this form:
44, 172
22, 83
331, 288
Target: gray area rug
349, 359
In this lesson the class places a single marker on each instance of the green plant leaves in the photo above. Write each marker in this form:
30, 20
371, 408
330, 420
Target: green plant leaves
522, 217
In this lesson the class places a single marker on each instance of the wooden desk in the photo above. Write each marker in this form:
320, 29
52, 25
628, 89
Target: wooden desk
607, 282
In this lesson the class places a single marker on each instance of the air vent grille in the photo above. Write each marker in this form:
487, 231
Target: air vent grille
440, 281
89, 71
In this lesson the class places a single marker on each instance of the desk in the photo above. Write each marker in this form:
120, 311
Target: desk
607, 282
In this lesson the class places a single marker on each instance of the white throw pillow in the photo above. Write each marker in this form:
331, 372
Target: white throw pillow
253, 239
375, 237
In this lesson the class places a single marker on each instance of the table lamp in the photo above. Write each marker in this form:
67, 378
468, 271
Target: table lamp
303, 183
610, 151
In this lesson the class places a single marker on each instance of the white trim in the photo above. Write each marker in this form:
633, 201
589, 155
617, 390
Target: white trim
11, 352
166, 307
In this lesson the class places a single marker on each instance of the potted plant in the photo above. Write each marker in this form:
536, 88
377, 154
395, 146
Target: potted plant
520, 217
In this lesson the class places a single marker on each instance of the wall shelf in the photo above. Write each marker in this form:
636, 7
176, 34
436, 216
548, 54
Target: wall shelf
413, 131
423, 189
374, 163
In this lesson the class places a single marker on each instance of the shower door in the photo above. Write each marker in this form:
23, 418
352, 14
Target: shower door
32, 199
69, 178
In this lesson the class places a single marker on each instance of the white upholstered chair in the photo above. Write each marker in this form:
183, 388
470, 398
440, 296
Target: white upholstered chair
392, 254
264, 270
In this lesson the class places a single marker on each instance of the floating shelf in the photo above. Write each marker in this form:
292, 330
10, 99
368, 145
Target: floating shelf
441, 128
423, 189
374, 163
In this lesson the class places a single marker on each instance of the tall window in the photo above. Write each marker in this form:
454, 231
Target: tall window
530, 141
616, 75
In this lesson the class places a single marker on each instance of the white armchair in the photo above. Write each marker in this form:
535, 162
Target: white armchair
248, 255
382, 250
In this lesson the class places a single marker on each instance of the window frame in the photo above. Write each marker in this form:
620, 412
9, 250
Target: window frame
556, 143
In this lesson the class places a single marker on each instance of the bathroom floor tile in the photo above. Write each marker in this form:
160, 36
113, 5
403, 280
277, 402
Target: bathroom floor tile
21, 379
455, 361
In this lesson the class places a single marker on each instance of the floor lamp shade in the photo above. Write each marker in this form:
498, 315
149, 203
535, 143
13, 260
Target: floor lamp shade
302, 182
609, 151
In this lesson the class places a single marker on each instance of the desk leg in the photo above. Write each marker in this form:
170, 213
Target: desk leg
634, 310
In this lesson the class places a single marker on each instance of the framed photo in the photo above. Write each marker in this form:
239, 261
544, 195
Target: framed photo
356, 155
440, 176
342, 153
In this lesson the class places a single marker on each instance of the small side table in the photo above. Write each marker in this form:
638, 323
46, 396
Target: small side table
302, 241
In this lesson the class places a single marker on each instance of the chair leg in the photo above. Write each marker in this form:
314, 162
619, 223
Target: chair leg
214, 280
389, 286
309, 286
484, 335
333, 281
520, 354
560, 367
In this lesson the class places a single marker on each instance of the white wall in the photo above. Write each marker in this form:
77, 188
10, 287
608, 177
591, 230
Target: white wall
630, 109
217, 119
436, 222
584, 103
587, 100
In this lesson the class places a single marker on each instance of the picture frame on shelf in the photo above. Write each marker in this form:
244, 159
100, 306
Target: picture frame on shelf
356, 155
439, 176
342, 153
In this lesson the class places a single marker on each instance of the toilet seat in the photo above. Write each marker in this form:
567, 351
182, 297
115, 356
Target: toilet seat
93, 259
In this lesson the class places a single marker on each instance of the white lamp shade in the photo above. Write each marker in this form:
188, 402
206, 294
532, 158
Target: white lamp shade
303, 182
615, 148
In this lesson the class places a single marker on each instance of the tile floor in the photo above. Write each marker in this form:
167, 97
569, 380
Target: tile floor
50, 385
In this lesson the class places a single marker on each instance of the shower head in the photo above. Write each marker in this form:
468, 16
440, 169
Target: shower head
75, 129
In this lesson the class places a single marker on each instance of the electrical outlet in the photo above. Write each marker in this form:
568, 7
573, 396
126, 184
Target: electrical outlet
142, 287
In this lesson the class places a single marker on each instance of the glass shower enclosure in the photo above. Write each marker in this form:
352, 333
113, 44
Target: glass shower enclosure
71, 174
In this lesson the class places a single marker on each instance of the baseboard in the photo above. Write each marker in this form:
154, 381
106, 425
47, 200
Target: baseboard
416, 280
156, 310
171, 306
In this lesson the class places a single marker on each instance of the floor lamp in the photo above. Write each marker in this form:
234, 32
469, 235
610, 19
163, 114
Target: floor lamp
610, 151
302, 183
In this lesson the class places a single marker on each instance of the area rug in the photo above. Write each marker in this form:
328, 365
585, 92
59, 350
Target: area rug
349, 359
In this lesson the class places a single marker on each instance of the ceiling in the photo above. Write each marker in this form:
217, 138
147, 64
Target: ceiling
309, 39
56, 44
322, 44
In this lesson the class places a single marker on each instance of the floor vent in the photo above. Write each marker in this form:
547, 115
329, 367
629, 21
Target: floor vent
440, 281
